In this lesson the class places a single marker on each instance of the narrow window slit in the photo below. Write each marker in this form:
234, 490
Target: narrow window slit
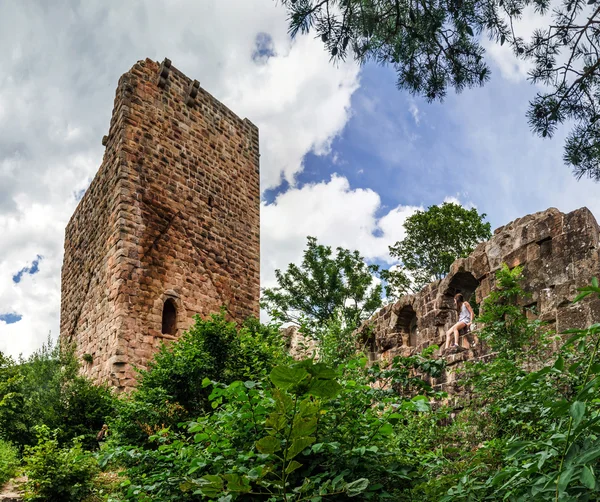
169, 318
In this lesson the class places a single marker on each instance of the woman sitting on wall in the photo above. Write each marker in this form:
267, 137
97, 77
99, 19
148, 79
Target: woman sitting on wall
465, 317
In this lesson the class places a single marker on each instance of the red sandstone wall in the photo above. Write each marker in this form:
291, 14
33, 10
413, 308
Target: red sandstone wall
558, 252
182, 222
92, 240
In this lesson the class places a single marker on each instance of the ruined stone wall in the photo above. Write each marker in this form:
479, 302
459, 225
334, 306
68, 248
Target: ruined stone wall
559, 253
169, 227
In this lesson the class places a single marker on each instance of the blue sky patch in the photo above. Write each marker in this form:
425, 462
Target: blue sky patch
263, 48
33, 269
10, 318
79, 194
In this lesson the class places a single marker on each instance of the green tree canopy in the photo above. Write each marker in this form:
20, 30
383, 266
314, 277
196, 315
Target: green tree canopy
324, 287
45, 389
434, 239
436, 44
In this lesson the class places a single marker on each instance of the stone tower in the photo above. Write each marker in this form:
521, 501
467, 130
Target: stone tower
168, 228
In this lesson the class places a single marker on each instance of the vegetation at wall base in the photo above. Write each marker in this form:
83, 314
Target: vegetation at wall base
9, 461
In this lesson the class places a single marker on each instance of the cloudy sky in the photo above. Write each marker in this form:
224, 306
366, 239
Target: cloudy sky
345, 155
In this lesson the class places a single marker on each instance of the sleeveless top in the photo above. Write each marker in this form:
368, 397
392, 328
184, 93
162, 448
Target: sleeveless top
465, 315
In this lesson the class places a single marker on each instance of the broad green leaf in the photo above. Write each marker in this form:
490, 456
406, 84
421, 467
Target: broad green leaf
292, 466
560, 363
573, 368
393, 418
357, 487
595, 282
276, 422
322, 371
283, 402
565, 478
577, 411
211, 485
326, 389
307, 408
587, 477
386, 430
201, 436
268, 444
237, 483
589, 456
255, 473
284, 377
421, 403
304, 427
298, 445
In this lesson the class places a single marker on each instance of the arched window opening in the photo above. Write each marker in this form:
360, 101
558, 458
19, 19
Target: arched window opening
462, 282
169, 318
406, 325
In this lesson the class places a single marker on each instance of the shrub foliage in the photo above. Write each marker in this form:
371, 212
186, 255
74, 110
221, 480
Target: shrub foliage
223, 414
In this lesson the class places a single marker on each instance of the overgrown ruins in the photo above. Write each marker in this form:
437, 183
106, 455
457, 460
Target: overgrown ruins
168, 228
559, 253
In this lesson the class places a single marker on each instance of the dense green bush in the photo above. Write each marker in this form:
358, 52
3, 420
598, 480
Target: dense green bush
223, 414
171, 389
302, 434
58, 474
9, 461
45, 389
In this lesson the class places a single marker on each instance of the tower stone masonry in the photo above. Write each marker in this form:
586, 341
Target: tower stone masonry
168, 228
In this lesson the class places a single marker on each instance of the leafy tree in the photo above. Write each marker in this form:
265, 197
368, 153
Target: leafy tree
506, 328
322, 288
436, 44
45, 389
434, 239
216, 349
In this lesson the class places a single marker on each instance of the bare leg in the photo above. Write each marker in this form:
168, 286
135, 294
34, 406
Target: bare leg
448, 334
458, 326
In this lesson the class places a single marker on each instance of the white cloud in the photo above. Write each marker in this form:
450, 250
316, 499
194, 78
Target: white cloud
56, 94
336, 215
414, 111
